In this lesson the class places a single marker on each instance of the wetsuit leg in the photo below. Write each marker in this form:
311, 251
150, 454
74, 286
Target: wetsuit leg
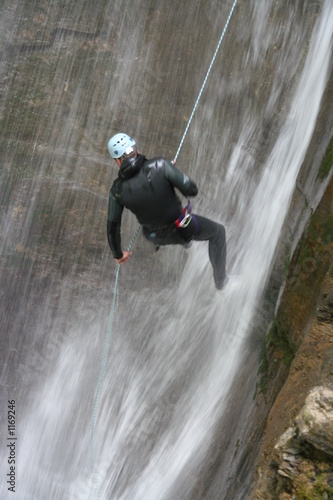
200, 229
217, 248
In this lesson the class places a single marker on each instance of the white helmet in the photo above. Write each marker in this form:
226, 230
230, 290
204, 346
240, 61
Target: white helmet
118, 145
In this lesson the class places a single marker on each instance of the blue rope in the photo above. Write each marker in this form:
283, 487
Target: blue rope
205, 80
100, 382
102, 369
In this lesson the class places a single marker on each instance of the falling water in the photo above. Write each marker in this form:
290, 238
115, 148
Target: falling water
178, 393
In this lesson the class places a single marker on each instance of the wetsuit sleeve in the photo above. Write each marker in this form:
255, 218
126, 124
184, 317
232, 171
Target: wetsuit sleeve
179, 180
113, 226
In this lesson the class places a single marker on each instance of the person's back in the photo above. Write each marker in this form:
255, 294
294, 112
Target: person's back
143, 187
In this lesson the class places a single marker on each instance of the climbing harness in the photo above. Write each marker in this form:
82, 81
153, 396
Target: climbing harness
182, 222
185, 217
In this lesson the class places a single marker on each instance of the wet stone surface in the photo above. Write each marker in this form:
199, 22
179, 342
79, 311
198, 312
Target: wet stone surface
71, 75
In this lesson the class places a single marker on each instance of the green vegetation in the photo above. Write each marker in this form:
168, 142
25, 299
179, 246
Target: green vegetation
305, 274
314, 481
281, 338
262, 385
327, 162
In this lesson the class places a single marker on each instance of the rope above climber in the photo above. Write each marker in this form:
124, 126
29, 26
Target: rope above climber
147, 189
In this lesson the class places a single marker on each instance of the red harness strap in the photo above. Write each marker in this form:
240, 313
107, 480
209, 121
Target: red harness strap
185, 217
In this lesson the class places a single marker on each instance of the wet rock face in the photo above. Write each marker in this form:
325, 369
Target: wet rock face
74, 74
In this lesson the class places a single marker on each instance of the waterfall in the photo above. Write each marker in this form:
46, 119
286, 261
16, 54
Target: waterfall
181, 374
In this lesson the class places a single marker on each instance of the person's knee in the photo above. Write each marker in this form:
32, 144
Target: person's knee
220, 232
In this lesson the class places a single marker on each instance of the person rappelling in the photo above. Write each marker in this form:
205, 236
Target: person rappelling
147, 189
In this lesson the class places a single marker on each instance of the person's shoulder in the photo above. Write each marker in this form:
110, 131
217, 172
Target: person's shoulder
114, 190
158, 162
115, 183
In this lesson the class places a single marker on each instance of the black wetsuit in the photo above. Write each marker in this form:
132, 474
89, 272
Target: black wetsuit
146, 188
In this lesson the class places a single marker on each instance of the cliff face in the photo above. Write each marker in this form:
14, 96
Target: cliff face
74, 75
296, 453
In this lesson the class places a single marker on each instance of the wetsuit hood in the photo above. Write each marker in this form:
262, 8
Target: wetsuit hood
130, 167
